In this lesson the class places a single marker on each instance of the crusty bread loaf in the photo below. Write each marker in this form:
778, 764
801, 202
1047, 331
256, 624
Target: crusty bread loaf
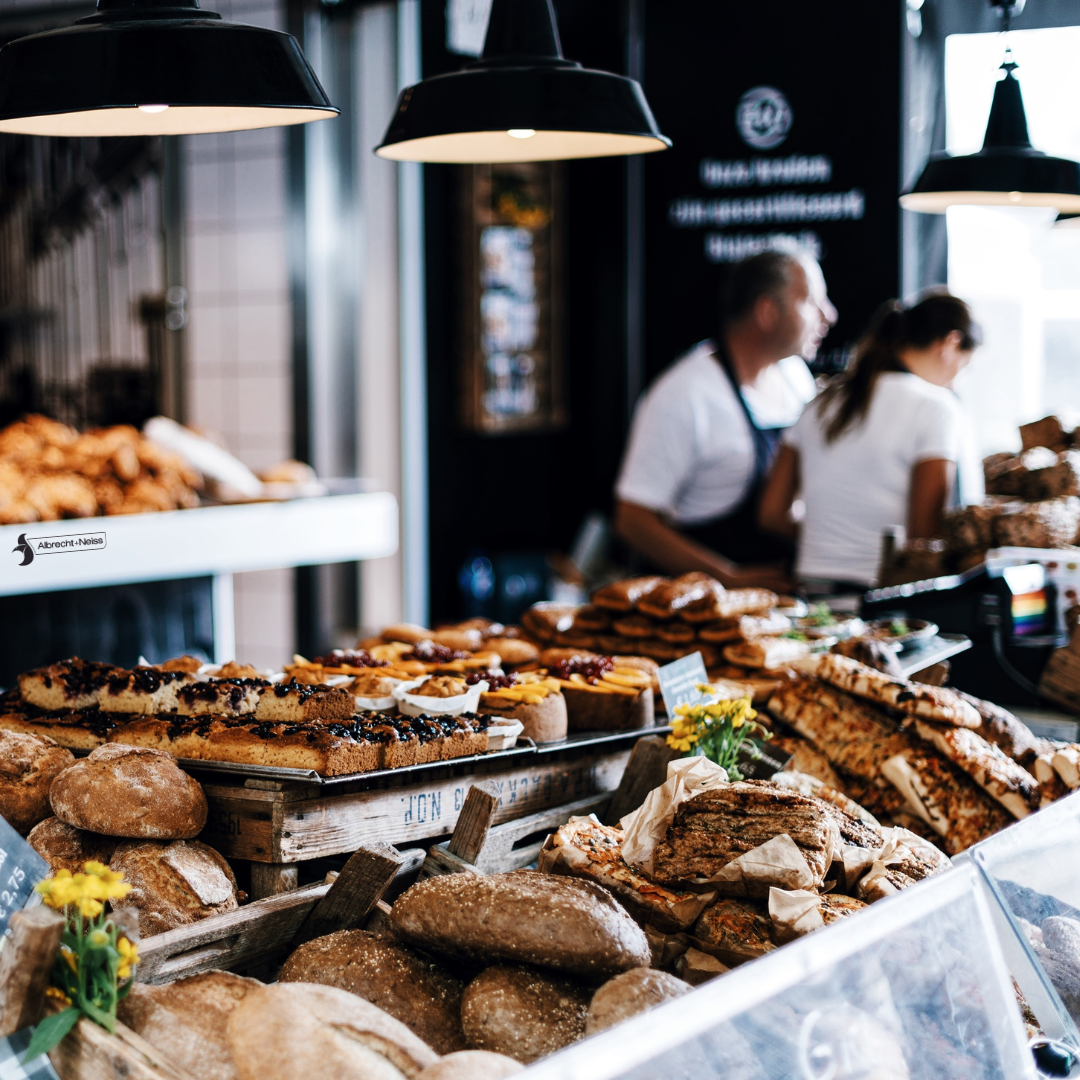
64, 847
543, 721
594, 710
472, 1065
523, 917
186, 1020
130, 791
299, 1030
410, 988
522, 1012
174, 884
28, 764
630, 993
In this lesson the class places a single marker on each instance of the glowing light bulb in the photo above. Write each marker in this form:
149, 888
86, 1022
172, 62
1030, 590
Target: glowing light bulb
152, 108
521, 133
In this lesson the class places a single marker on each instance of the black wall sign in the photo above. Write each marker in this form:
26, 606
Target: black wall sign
21, 868
785, 119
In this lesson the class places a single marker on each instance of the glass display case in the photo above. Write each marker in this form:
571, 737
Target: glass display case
914, 987
1030, 870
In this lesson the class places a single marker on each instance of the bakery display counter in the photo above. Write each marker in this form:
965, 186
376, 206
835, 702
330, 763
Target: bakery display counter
914, 987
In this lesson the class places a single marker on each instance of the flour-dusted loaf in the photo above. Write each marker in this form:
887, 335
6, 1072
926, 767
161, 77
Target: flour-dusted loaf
175, 883
472, 1065
186, 1020
409, 987
64, 847
28, 764
130, 791
522, 917
523, 1012
633, 992
299, 1031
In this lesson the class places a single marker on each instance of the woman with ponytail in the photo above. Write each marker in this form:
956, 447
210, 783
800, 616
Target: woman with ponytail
886, 444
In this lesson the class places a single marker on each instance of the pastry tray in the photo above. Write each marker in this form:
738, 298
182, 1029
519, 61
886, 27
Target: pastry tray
524, 747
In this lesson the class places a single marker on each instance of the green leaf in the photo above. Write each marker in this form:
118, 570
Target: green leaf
100, 1016
49, 1032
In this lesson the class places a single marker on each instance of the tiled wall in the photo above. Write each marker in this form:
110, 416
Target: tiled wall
239, 324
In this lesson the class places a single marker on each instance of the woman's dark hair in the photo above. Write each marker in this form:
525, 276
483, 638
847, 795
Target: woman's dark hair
893, 329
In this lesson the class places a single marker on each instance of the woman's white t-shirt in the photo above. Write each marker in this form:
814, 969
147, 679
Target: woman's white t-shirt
690, 455
858, 485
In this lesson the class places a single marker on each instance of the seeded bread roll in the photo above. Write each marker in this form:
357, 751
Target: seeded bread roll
523, 917
130, 791
186, 1020
472, 1065
416, 991
174, 884
293, 1030
64, 847
522, 1012
629, 994
28, 764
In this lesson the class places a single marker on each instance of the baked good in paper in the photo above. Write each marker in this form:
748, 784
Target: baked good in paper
735, 931
937, 703
585, 848
999, 776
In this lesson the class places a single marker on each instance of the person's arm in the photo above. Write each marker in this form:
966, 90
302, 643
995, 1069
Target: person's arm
774, 510
931, 482
646, 531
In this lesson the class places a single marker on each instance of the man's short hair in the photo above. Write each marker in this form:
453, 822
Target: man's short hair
765, 274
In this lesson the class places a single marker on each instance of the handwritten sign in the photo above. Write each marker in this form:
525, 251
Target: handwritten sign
679, 682
21, 868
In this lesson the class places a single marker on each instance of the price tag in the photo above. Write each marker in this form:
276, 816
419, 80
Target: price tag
21, 868
679, 682
759, 760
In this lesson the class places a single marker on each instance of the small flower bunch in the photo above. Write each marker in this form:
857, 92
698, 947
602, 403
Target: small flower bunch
94, 968
715, 729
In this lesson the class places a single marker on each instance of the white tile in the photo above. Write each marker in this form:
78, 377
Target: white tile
260, 143
203, 253
204, 355
265, 337
202, 193
260, 260
206, 402
260, 192
261, 407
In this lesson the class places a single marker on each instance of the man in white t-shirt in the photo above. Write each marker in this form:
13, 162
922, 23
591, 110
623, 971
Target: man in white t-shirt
704, 434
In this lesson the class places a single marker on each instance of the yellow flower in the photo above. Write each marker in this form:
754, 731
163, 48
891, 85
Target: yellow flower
98, 938
70, 959
90, 908
129, 957
55, 992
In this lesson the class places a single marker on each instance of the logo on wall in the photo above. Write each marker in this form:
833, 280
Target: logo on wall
763, 117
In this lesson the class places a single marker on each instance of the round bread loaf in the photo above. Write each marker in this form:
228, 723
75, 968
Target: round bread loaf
174, 884
523, 917
64, 847
28, 764
472, 1065
293, 1030
630, 993
186, 1020
418, 992
130, 791
522, 1012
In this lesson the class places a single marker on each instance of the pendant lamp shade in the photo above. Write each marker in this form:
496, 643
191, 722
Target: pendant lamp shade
522, 101
155, 67
1007, 171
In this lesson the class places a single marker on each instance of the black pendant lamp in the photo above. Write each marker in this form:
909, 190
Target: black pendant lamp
155, 67
521, 101
1007, 171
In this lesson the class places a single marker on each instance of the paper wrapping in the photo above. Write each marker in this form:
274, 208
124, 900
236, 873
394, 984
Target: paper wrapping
645, 827
794, 912
776, 863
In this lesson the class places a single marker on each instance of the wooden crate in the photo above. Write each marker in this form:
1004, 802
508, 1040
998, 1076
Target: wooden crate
281, 823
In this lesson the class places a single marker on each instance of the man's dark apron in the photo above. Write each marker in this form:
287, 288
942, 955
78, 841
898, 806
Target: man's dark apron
736, 535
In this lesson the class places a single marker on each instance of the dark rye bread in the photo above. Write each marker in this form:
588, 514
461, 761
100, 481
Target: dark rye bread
186, 1020
130, 791
522, 917
412, 989
299, 1031
66, 848
735, 931
714, 828
523, 1013
28, 764
629, 994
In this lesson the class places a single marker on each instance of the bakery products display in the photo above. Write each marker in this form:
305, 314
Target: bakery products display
174, 883
532, 698
401, 982
292, 1030
523, 1012
129, 791
64, 847
523, 917
602, 694
630, 994
28, 765
187, 1020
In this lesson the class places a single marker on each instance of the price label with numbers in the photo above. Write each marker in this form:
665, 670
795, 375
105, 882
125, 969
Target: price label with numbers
21, 868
